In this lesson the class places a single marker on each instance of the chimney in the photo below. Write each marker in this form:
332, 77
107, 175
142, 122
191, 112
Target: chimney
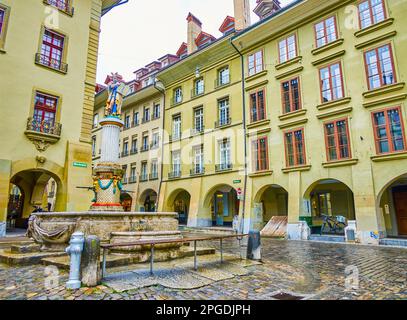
194, 29
266, 8
242, 14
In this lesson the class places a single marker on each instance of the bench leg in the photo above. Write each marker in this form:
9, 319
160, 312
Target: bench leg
104, 264
152, 260
195, 258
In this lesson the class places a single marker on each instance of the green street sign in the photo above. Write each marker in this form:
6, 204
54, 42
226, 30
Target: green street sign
80, 164
237, 181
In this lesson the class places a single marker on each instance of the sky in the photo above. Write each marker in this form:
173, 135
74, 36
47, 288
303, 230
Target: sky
142, 31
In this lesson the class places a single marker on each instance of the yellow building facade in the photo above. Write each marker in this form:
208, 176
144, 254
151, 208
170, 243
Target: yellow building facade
48, 58
316, 106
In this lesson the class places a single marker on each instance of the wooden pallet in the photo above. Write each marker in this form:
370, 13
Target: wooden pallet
275, 228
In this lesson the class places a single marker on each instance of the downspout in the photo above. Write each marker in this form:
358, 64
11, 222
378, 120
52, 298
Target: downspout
244, 131
162, 143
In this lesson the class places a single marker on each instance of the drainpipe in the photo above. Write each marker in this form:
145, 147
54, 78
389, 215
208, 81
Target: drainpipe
244, 131
162, 142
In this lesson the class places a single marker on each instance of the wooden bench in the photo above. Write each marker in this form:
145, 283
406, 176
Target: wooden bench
153, 243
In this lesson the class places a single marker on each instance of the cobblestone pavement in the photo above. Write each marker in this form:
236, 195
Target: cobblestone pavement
309, 269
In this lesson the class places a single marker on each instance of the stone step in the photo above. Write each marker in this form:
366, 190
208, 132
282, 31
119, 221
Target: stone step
393, 242
119, 260
327, 238
26, 259
209, 230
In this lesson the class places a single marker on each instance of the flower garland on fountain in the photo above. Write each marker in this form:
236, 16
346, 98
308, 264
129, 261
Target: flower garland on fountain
108, 173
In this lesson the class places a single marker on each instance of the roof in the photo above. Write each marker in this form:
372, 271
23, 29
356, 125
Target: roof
108, 5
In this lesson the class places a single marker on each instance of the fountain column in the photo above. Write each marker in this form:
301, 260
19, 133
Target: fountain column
108, 173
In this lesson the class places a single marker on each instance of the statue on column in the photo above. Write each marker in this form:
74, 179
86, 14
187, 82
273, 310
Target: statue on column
117, 89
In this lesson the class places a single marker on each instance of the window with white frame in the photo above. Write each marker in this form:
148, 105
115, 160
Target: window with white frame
176, 127
224, 154
176, 162
198, 119
224, 76
223, 106
199, 87
178, 95
198, 159
255, 62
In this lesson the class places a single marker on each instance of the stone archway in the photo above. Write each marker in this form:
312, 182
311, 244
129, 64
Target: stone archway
179, 201
271, 201
328, 197
34, 186
126, 201
222, 205
392, 202
148, 201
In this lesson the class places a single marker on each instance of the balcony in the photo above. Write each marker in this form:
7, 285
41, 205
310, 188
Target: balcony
125, 153
64, 6
197, 171
175, 137
43, 133
145, 148
196, 131
223, 167
220, 82
223, 122
133, 151
174, 174
143, 177
154, 176
133, 179
196, 93
45, 61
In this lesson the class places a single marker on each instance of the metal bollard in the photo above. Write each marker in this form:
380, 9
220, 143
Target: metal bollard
75, 251
254, 246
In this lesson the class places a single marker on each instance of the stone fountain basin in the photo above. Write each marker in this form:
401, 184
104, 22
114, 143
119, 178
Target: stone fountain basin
104, 225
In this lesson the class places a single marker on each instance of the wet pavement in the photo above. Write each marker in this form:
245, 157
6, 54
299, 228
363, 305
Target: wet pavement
307, 270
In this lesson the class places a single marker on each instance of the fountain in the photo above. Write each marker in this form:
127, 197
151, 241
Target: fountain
106, 218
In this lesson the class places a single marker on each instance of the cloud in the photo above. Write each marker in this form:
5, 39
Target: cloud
141, 31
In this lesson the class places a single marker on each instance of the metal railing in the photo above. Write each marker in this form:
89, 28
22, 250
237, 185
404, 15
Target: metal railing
145, 148
132, 179
223, 167
197, 171
143, 177
199, 130
174, 174
51, 63
220, 82
223, 122
196, 93
47, 127
133, 151
153, 176
125, 153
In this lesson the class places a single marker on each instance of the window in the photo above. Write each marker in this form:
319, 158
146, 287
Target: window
127, 122
125, 148
154, 169
156, 111
2, 20
133, 174
176, 162
52, 50
255, 62
177, 95
156, 140
144, 174
287, 49
94, 146
389, 131
136, 119
337, 140
223, 76
63, 5
176, 127
380, 67
295, 149
198, 120
146, 114
291, 95
371, 12
331, 82
199, 87
326, 32
134, 143
145, 146
257, 109
260, 154
95, 120
224, 155
198, 160
45, 109
223, 109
